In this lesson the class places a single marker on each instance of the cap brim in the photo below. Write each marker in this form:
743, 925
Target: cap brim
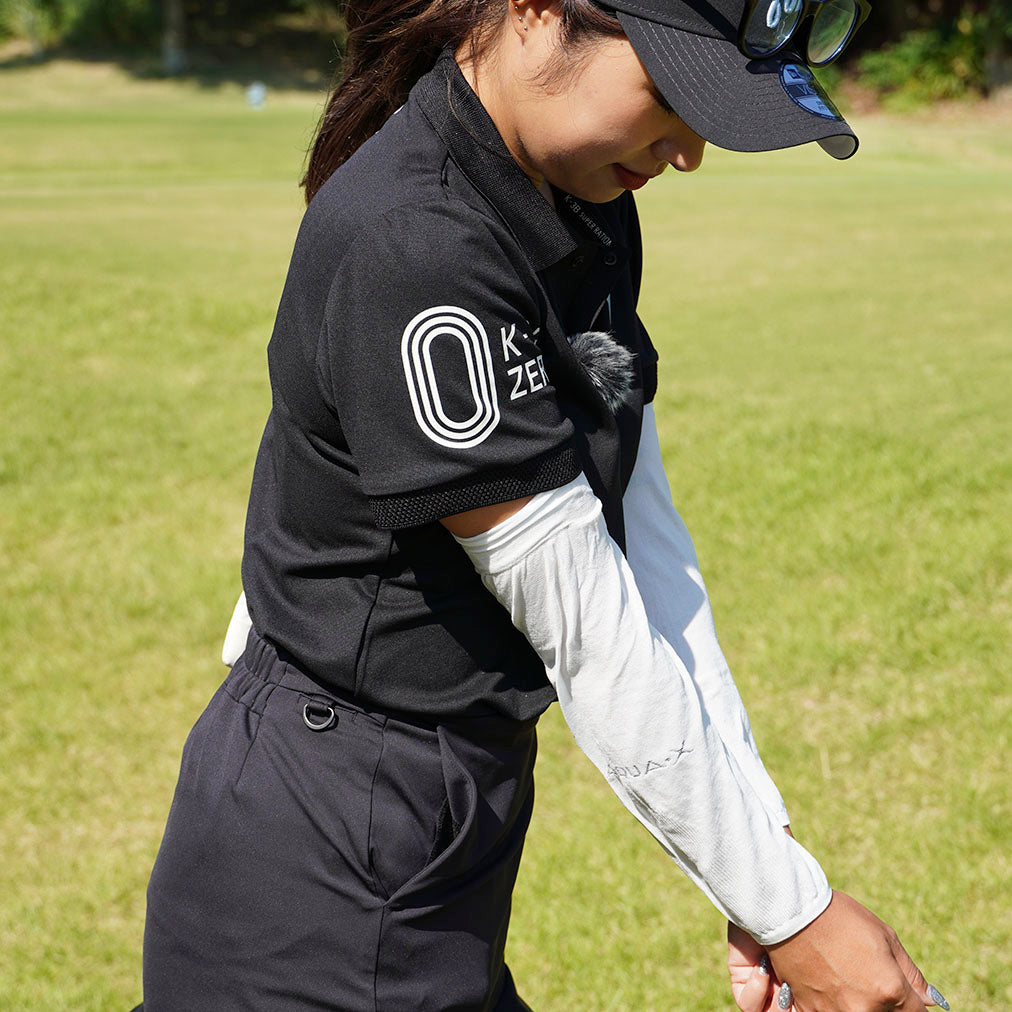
733, 101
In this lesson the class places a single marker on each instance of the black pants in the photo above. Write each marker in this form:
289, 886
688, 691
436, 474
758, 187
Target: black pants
365, 866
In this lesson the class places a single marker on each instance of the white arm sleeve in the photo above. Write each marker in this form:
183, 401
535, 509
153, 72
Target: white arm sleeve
635, 711
663, 561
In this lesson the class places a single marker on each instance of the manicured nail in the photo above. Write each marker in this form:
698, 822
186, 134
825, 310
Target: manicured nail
937, 997
764, 964
785, 998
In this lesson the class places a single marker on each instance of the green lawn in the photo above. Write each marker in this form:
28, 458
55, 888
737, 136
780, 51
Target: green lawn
837, 366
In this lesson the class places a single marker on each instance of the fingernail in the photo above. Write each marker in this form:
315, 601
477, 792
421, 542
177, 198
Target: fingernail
937, 997
785, 997
764, 965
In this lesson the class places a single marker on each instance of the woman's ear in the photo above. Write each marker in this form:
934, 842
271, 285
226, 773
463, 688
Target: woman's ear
518, 15
530, 15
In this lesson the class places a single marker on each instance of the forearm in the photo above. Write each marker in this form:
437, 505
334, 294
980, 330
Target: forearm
663, 561
637, 714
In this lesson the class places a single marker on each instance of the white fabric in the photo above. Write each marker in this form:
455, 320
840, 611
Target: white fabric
238, 629
635, 711
663, 560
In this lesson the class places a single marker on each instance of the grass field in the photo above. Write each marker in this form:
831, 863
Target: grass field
837, 365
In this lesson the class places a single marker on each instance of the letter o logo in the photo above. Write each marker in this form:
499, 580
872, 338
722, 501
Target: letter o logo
774, 14
450, 323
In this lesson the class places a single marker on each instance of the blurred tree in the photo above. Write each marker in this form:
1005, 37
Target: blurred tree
216, 20
123, 24
174, 58
965, 51
946, 41
891, 19
31, 21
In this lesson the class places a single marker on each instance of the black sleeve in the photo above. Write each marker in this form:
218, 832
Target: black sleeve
431, 352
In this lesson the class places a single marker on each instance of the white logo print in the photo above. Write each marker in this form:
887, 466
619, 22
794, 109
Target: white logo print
776, 11
774, 14
529, 376
440, 323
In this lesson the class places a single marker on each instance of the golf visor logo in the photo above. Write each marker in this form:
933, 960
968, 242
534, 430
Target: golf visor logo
429, 349
803, 90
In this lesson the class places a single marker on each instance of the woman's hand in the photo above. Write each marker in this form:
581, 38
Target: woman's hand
847, 960
752, 985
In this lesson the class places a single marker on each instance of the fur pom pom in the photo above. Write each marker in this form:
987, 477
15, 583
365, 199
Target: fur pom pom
608, 363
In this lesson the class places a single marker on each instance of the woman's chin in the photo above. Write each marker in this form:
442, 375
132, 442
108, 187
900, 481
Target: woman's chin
596, 192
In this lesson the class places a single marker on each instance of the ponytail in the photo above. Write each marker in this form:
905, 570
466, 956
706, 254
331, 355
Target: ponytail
392, 43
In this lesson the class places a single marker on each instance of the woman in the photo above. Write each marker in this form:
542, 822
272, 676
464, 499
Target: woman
459, 514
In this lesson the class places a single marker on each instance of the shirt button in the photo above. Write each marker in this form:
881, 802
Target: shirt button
610, 258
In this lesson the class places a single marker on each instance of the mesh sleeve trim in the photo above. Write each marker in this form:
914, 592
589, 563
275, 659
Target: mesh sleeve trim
551, 470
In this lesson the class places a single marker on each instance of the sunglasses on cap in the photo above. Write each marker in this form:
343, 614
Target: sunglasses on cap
769, 25
735, 71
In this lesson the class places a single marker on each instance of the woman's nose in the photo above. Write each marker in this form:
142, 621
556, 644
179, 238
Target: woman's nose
682, 148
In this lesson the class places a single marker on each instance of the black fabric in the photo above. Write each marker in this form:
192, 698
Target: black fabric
497, 485
307, 870
431, 356
714, 18
690, 48
420, 367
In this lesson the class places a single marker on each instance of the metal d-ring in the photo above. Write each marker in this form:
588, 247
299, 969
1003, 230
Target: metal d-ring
318, 716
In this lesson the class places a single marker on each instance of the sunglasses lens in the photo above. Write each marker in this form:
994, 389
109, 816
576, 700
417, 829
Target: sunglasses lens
770, 25
831, 29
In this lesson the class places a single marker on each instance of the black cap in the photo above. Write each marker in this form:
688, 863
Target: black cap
690, 49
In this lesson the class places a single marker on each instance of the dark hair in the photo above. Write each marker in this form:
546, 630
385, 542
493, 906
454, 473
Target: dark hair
392, 43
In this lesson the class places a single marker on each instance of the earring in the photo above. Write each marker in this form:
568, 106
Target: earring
520, 16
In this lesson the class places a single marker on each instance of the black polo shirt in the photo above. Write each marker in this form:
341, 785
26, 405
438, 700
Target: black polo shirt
420, 367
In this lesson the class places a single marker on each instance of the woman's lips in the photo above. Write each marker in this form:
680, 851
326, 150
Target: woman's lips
630, 180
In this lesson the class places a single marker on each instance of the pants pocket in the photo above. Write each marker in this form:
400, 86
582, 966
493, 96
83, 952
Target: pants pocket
422, 803
443, 931
454, 827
